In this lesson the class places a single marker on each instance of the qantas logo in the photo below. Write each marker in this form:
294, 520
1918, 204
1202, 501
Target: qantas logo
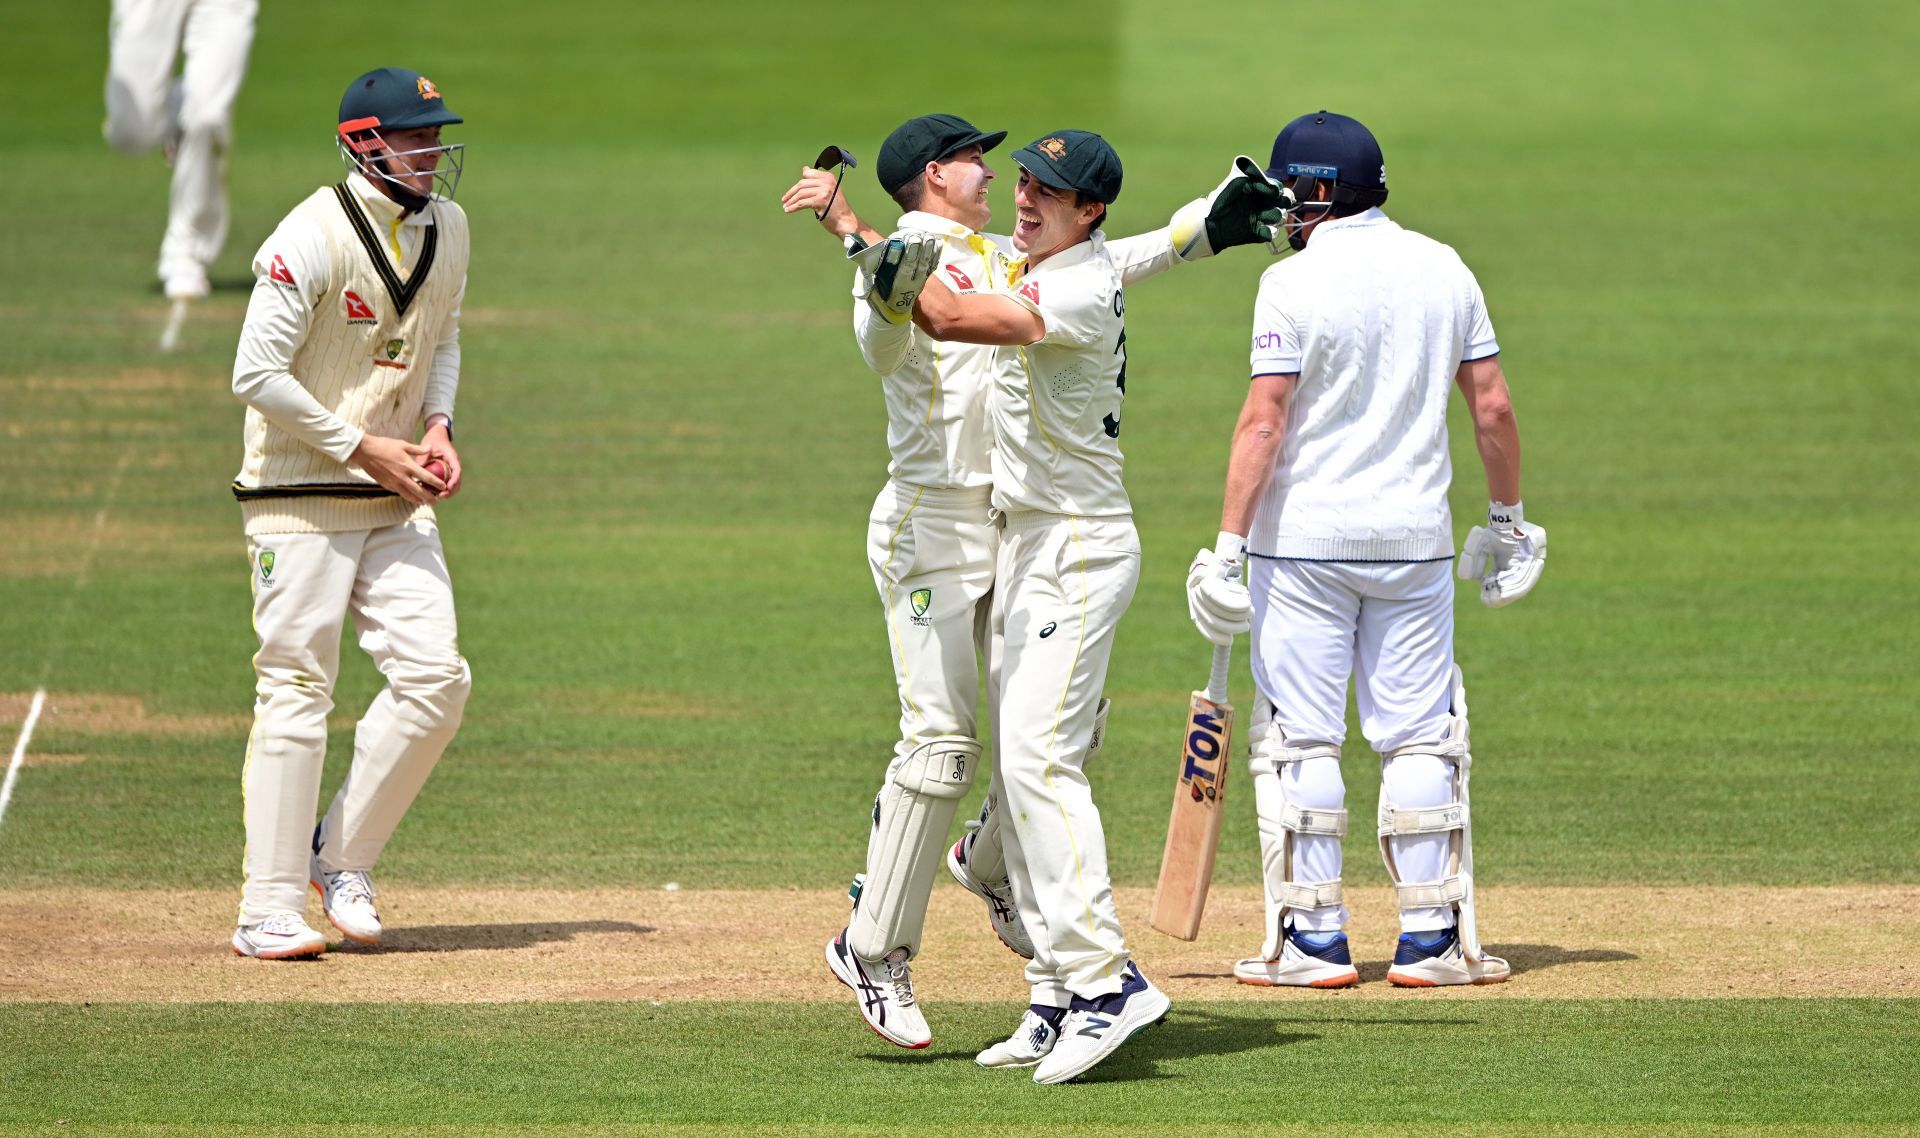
960, 279
357, 310
1031, 290
278, 274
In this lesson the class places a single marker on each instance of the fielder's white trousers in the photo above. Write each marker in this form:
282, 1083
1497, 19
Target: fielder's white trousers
1390, 625
147, 106
932, 553
1064, 583
394, 583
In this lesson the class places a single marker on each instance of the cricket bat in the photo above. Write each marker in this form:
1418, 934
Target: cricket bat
1199, 797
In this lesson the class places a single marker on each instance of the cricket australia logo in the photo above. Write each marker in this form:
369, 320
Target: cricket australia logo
266, 567
920, 600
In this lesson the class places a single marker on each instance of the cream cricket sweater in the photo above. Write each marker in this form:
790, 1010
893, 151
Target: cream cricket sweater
353, 328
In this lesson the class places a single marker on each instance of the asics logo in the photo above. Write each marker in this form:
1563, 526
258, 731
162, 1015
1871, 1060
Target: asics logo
1095, 1025
1048, 630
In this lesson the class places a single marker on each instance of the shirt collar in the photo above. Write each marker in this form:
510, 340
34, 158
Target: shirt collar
379, 206
1086, 250
933, 223
1366, 220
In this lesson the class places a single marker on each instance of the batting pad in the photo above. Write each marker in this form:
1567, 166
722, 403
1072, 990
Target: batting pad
909, 844
1281, 823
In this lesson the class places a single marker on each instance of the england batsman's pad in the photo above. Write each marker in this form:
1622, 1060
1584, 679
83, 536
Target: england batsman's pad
1199, 802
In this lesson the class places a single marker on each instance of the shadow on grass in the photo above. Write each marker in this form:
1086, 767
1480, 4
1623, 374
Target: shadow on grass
1523, 958
1182, 1035
469, 938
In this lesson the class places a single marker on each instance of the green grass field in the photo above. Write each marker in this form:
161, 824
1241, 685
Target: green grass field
1692, 223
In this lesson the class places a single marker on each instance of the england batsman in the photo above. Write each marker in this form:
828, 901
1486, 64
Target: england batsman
351, 350
932, 537
1336, 496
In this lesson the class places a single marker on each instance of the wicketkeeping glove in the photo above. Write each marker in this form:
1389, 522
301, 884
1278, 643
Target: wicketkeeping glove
891, 274
1217, 598
1243, 210
1506, 555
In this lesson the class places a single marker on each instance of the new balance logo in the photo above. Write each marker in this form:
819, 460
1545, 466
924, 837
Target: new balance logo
1095, 1025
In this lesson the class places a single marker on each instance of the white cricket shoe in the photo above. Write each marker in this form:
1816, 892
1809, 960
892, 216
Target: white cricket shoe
347, 897
282, 936
1307, 960
1433, 960
1039, 1030
885, 993
1001, 914
1095, 1029
186, 283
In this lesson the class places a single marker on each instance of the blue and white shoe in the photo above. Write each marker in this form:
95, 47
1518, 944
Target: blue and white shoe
1307, 960
1031, 1042
884, 991
1435, 959
1095, 1029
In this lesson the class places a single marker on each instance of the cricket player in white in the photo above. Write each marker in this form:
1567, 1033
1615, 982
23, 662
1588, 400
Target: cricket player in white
1337, 491
190, 116
932, 537
351, 344
1069, 561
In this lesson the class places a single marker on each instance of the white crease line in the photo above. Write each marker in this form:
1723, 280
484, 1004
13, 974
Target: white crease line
20, 750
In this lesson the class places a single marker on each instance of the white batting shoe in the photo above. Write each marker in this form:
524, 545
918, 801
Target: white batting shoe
1001, 914
1095, 1029
347, 897
1307, 960
282, 936
1435, 959
884, 991
1031, 1042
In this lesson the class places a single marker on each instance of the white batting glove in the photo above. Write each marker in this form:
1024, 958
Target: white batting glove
1506, 555
890, 274
1217, 598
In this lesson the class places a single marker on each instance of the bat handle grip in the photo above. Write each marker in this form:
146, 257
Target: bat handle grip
1222, 664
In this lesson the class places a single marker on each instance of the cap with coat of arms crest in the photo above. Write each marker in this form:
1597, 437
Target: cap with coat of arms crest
1078, 160
394, 98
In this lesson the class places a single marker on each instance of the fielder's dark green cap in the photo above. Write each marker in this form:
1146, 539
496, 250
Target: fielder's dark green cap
928, 138
1073, 160
393, 98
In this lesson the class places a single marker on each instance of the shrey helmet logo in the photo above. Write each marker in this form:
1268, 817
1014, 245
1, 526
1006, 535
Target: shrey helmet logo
394, 348
266, 564
1053, 148
920, 599
427, 89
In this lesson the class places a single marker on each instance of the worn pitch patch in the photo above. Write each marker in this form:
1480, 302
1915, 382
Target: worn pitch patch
465, 945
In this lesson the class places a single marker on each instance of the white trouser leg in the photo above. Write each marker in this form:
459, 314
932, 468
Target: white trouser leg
1304, 614
301, 586
932, 556
1063, 586
143, 40
1403, 654
403, 610
218, 35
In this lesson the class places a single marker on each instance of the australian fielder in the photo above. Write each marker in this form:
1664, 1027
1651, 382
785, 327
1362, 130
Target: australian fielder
351, 347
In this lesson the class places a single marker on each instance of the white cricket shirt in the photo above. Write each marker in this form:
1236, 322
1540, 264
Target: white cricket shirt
939, 431
1056, 403
1376, 320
